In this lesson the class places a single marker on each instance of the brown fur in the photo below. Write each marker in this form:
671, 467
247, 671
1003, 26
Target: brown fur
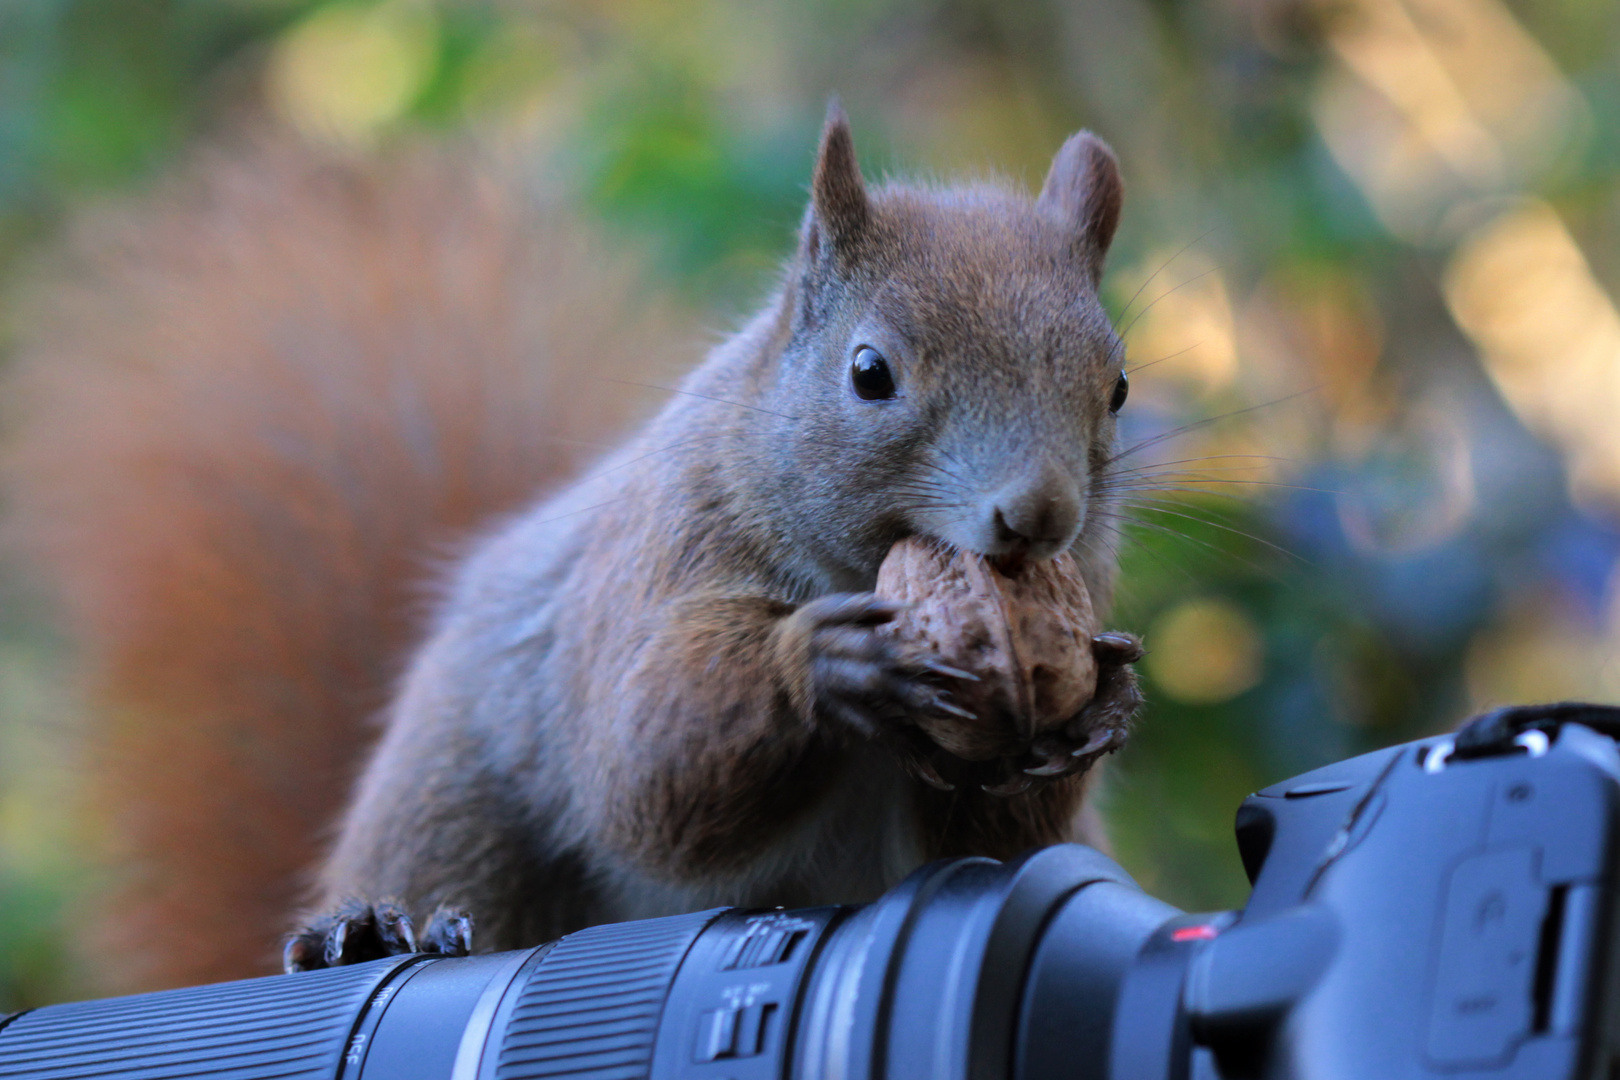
262, 404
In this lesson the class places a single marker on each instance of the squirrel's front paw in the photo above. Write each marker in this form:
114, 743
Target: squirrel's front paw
1099, 728
359, 931
858, 679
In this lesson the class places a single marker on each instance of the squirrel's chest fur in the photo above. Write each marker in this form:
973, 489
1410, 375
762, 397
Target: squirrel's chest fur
547, 633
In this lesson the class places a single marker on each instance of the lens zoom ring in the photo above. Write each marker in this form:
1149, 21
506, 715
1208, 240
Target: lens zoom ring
292, 1028
590, 1010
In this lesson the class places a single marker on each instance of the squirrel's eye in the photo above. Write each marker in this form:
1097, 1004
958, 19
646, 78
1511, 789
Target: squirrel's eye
870, 375
1122, 390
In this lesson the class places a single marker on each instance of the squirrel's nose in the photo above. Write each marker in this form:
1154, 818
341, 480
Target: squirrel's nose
1037, 514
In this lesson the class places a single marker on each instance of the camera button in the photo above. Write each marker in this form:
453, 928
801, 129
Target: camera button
1317, 787
717, 1034
733, 1032
1482, 1002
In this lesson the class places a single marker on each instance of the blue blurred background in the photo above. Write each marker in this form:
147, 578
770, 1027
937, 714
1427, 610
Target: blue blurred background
1367, 270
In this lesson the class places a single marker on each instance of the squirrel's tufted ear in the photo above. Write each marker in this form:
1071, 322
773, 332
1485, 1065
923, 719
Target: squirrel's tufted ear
839, 209
1083, 188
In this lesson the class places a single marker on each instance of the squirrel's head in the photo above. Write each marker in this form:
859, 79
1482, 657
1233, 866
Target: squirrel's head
949, 371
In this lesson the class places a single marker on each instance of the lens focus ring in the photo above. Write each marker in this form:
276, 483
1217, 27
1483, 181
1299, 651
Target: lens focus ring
591, 1007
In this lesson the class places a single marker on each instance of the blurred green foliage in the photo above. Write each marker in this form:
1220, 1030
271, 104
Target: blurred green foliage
1395, 523
94, 96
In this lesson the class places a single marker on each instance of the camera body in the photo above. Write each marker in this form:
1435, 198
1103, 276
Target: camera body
1417, 912
1444, 908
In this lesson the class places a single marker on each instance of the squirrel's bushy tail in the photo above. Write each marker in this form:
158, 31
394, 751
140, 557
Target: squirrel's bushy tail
247, 419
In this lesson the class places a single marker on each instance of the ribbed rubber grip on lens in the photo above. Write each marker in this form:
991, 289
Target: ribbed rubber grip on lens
590, 1009
291, 1027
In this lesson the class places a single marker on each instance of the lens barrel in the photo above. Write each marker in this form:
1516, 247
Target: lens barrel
969, 968
294, 1026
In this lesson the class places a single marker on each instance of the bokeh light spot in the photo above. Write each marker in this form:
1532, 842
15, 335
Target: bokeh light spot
1185, 333
346, 71
1549, 336
1205, 651
1539, 650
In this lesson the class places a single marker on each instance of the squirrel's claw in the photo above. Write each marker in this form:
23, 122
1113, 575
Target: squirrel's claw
939, 667
1117, 647
1057, 759
941, 704
1102, 741
858, 679
449, 933
1051, 760
356, 932
929, 775
299, 954
1101, 726
384, 930
1015, 785
359, 931
861, 684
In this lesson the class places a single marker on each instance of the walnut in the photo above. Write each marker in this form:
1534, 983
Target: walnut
1025, 634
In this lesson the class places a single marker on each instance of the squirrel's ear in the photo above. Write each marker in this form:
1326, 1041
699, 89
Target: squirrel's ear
839, 209
1083, 188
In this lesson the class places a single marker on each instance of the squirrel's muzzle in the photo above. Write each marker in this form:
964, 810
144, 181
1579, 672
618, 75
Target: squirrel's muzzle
1037, 514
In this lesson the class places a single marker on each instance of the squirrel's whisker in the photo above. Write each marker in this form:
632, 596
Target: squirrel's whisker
1133, 523
1268, 459
1199, 424
1168, 356
1125, 333
1126, 538
1152, 506
1182, 250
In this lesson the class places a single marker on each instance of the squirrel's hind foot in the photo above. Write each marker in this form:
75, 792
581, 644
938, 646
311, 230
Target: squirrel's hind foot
358, 931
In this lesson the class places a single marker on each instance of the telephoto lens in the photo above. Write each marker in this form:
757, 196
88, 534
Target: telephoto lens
968, 968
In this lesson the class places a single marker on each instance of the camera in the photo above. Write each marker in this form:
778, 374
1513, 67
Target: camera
1442, 908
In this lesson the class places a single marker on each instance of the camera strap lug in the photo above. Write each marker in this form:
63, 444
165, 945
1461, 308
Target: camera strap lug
1529, 729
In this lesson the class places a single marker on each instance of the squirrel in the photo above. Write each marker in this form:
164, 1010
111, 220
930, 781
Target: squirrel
658, 688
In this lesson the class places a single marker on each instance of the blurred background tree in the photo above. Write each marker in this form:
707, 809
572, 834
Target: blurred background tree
1367, 276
